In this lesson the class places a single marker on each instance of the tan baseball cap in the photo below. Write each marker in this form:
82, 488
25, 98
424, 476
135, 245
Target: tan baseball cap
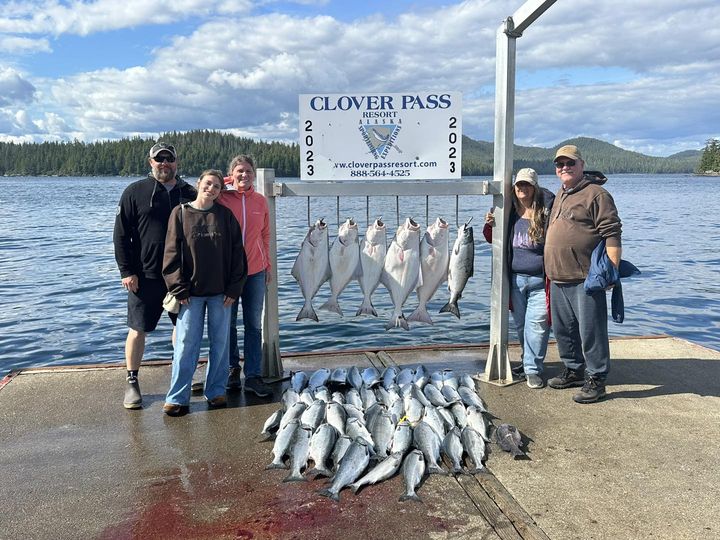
527, 175
569, 151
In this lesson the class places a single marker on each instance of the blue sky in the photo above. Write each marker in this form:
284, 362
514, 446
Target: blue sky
643, 75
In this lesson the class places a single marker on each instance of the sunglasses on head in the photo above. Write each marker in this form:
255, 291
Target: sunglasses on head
163, 158
568, 163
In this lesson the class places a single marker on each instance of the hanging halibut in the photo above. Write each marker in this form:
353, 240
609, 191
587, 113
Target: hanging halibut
344, 263
434, 259
312, 266
372, 258
401, 272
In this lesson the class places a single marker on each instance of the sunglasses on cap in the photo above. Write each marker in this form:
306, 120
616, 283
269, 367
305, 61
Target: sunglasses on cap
163, 158
568, 163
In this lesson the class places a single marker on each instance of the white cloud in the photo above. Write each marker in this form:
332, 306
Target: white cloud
21, 45
14, 88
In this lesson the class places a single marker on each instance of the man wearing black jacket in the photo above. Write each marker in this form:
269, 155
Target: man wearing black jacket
141, 223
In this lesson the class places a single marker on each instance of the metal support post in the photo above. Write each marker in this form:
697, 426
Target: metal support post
497, 367
272, 367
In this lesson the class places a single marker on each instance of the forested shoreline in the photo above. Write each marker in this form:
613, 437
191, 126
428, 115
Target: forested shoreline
203, 149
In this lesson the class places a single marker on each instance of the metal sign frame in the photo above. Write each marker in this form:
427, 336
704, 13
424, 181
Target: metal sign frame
497, 367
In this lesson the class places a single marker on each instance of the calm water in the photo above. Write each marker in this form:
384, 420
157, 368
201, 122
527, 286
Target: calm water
61, 300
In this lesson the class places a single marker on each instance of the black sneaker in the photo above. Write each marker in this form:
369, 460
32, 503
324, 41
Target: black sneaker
133, 397
257, 387
592, 391
518, 370
233, 381
567, 379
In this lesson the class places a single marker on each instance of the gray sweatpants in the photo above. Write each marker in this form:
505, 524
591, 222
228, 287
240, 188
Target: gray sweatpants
580, 325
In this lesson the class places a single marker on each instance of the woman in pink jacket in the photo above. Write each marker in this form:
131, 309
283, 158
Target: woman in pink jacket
251, 210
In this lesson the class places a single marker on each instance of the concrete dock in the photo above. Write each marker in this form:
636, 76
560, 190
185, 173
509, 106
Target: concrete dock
642, 463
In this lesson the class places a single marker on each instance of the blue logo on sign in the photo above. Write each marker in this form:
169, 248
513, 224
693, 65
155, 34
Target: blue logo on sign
380, 138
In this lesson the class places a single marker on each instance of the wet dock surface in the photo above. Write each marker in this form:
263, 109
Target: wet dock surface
640, 464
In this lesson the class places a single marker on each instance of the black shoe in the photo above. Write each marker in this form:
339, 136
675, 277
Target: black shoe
233, 381
518, 370
257, 387
567, 379
592, 391
133, 397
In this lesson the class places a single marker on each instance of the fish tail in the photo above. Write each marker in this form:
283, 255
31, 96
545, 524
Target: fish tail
366, 308
332, 305
294, 477
268, 437
451, 307
397, 322
327, 493
354, 487
476, 470
274, 465
307, 312
420, 315
410, 497
436, 469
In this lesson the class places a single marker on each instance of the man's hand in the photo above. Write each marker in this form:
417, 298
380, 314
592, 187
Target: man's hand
130, 283
228, 301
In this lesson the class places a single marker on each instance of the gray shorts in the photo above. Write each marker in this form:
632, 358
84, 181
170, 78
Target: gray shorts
145, 305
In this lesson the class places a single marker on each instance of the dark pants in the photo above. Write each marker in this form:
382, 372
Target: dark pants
580, 325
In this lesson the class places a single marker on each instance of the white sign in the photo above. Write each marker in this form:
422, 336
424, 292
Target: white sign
411, 136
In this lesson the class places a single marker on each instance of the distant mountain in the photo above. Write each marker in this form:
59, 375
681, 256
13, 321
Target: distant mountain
598, 155
201, 149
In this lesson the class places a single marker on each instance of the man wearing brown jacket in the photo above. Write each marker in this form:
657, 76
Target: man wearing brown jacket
582, 215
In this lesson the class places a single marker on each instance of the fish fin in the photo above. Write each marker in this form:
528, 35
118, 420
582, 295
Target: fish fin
366, 308
451, 307
327, 493
320, 471
354, 487
268, 437
307, 312
411, 497
420, 315
332, 305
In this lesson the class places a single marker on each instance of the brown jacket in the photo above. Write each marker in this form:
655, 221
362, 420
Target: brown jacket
579, 218
212, 261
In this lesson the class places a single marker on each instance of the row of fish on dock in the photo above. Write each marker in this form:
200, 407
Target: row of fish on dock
410, 263
361, 427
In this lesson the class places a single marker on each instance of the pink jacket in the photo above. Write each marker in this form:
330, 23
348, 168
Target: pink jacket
251, 210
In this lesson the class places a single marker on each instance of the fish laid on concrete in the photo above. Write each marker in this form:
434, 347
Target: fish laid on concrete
351, 466
428, 442
322, 444
509, 439
372, 259
476, 420
293, 413
475, 447
336, 416
401, 272
452, 447
344, 263
382, 431
413, 471
354, 378
461, 268
298, 381
434, 260
370, 376
319, 378
314, 415
272, 424
312, 267
402, 438
282, 443
341, 445
299, 451
382, 471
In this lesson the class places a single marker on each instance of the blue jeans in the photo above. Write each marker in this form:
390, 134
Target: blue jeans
580, 325
252, 298
188, 337
527, 294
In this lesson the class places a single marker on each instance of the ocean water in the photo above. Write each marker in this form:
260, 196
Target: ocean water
61, 302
